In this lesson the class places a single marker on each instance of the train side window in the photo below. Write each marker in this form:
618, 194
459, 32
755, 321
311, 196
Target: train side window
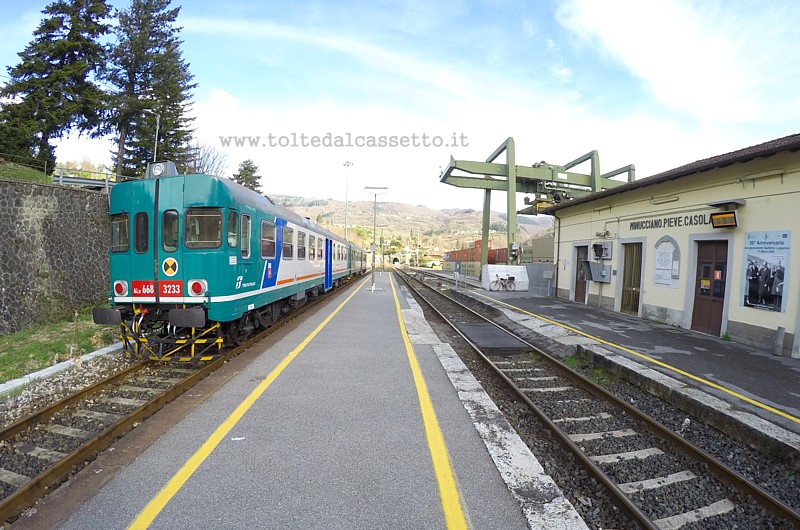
233, 229
169, 231
288, 243
120, 233
312, 247
245, 246
320, 247
267, 240
301, 245
203, 228
141, 236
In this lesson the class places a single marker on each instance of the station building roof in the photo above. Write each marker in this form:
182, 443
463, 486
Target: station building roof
766, 149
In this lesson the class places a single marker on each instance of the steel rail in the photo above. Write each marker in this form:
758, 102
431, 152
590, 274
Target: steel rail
722, 472
42, 415
36, 488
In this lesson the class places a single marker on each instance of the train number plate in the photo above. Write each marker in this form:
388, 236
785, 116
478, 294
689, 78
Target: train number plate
145, 288
170, 288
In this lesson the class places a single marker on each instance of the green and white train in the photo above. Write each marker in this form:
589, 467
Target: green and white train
198, 262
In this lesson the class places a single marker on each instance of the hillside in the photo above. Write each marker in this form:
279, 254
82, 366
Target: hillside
9, 170
403, 225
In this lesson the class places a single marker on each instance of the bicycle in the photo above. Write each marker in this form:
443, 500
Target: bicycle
506, 284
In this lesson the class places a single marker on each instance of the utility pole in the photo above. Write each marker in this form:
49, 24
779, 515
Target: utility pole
374, 190
158, 120
347, 164
419, 236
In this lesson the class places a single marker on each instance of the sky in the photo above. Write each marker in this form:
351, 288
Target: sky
657, 84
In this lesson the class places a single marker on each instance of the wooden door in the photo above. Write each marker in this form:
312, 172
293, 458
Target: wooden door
580, 276
709, 288
631, 278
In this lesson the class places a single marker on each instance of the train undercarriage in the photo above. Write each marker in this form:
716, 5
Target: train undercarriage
149, 332
166, 332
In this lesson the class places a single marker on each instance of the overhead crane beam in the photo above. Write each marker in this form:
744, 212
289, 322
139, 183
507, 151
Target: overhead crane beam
549, 183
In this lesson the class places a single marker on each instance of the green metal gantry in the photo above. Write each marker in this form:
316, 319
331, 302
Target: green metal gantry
548, 183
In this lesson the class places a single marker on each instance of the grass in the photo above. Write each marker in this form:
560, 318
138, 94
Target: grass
13, 171
43, 345
598, 376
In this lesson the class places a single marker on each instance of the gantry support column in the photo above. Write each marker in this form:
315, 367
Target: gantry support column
511, 197
487, 210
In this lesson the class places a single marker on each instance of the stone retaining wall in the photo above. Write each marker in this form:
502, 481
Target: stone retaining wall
53, 252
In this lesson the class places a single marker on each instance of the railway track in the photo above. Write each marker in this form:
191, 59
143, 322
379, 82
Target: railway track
40, 451
655, 476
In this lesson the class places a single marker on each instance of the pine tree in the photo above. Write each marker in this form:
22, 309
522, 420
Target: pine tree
248, 176
153, 86
53, 89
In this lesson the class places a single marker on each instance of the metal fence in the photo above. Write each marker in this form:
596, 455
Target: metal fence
88, 179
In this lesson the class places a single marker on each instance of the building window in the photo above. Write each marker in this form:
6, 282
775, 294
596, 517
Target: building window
233, 229
141, 236
267, 240
301, 245
169, 231
288, 243
203, 228
245, 243
120, 233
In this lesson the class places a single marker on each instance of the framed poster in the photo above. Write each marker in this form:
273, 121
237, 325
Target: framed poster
766, 269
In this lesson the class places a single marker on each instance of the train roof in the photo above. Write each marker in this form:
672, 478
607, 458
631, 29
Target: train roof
244, 195
238, 194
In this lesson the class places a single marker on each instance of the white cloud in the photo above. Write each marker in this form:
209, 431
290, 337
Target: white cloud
699, 75
529, 27
694, 58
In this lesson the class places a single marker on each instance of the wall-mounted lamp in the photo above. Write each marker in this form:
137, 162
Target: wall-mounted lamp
664, 199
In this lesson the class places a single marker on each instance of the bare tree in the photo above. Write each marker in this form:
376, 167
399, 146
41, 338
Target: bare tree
208, 161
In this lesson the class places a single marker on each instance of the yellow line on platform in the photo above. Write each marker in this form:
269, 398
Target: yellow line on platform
654, 361
154, 507
448, 491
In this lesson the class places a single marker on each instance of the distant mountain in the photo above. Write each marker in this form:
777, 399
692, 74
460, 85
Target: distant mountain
404, 224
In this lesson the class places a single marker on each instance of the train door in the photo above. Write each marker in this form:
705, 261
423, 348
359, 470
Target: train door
328, 264
582, 254
709, 288
631, 278
143, 256
167, 247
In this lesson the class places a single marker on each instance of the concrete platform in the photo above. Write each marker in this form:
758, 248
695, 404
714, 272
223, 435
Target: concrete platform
745, 392
357, 418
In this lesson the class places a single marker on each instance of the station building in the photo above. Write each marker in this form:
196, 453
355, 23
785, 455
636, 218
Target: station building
708, 246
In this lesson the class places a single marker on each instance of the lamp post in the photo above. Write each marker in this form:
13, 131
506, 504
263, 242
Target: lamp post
158, 120
347, 164
374, 190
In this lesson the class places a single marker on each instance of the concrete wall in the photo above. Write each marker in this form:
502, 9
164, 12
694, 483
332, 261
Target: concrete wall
53, 252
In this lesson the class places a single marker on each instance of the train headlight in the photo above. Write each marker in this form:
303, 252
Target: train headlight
120, 288
198, 287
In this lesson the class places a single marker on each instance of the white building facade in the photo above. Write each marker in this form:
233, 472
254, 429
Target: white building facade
709, 246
